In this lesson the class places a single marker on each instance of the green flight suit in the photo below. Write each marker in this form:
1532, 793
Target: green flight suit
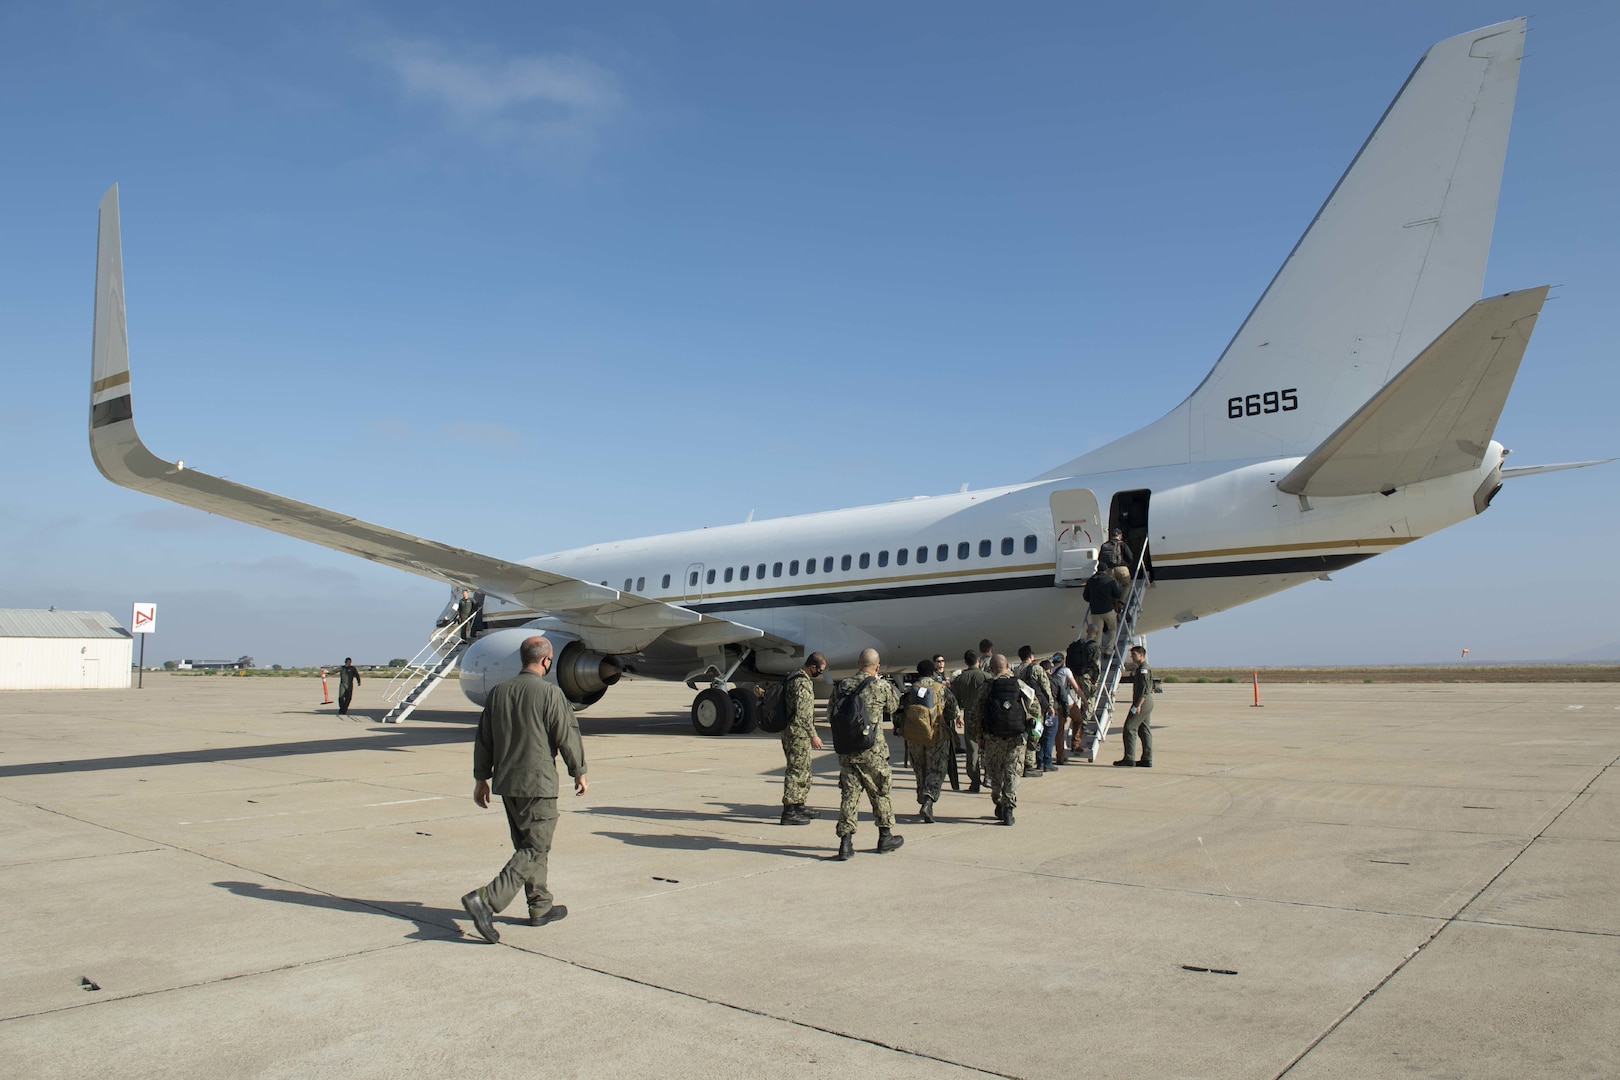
1136, 720
968, 688
800, 697
868, 770
526, 723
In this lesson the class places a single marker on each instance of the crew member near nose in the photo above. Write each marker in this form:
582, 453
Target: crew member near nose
799, 738
930, 719
866, 770
1136, 721
348, 679
526, 723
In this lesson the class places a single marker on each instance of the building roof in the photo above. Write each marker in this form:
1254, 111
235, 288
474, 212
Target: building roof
28, 623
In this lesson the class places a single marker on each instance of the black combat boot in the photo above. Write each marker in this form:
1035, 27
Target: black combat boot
1001, 812
973, 787
888, 842
925, 810
807, 813
1007, 816
846, 849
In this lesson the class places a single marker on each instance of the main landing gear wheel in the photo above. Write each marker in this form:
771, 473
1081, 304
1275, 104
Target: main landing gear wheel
713, 712
747, 707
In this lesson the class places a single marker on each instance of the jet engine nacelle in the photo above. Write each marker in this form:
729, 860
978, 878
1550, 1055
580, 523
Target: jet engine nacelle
582, 675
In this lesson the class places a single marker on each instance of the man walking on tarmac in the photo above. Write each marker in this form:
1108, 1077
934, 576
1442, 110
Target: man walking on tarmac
929, 719
968, 689
799, 738
348, 679
1008, 717
526, 723
866, 770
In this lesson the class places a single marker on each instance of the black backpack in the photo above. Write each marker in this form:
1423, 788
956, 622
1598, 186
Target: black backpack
1084, 656
853, 731
773, 713
1004, 714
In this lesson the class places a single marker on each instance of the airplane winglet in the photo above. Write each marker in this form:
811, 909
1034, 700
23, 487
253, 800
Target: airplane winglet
1517, 471
109, 360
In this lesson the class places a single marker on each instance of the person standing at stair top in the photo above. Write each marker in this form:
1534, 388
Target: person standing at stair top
466, 608
526, 724
348, 679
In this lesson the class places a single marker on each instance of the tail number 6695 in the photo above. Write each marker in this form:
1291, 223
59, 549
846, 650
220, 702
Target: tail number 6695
1258, 404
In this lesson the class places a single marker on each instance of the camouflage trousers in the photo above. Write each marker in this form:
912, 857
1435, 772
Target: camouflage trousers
931, 764
1003, 765
1032, 743
866, 771
796, 780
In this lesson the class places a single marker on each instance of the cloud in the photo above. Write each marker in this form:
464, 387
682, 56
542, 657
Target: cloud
481, 433
535, 100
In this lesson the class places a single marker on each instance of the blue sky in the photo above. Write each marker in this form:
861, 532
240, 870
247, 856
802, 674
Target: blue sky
523, 277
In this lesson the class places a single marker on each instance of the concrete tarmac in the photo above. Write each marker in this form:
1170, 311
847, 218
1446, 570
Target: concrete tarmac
1353, 881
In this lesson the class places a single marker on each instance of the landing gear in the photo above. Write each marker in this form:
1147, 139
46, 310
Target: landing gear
713, 712
746, 704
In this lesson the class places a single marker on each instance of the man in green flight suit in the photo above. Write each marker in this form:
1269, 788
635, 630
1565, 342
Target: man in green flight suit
799, 738
466, 608
867, 770
968, 688
1008, 715
930, 734
526, 723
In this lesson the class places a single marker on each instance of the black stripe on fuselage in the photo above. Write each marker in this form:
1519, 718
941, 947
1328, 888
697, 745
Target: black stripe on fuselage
111, 411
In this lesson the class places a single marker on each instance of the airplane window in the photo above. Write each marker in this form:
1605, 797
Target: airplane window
843, 564
1029, 545
964, 549
866, 560
922, 554
984, 549
809, 566
943, 553
793, 568
1006, 545
692, 579
902, 556
641, 584
666, 581
626, 584
745, 573
709, 577
883, 559
776, 570
759, 571
826, 565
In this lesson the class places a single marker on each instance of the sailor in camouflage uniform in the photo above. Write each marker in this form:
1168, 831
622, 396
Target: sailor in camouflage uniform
868, 770
931, 760
968, 688
1030, 670
1004, 754
798, 739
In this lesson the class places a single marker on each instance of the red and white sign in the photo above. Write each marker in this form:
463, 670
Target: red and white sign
144, 620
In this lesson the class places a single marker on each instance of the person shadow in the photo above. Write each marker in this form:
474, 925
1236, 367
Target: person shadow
432, 924
700, 842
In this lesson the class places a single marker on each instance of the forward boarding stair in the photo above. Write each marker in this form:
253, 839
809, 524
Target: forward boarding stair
430, 667
1102, 709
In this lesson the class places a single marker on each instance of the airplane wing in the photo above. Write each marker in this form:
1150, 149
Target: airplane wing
622, 621
1437, 416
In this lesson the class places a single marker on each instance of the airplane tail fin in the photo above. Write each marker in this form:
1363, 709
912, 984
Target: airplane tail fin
1395, 255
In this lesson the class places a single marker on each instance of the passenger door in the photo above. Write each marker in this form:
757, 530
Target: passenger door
1077, 530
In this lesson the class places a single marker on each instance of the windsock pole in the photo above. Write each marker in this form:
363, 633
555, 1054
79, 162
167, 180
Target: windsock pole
1257, 704
326, 695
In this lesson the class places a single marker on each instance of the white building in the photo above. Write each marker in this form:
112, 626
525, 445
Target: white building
63, 650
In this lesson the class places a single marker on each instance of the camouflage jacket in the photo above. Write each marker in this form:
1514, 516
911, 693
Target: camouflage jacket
801, 707
1035, 675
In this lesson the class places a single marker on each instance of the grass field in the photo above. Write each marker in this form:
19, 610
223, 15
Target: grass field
1439, 673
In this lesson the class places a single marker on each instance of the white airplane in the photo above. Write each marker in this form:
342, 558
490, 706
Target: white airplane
1353, 412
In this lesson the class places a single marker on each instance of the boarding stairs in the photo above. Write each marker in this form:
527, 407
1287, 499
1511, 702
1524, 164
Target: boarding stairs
1101, 709
427, 669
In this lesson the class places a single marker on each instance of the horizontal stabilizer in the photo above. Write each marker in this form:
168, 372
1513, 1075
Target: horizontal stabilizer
1541, 470
1437, 416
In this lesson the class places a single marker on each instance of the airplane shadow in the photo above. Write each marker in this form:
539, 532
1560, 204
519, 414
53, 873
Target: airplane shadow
432, 924
691, 842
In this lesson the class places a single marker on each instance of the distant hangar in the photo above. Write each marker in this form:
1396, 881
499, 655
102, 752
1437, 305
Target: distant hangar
63, 650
